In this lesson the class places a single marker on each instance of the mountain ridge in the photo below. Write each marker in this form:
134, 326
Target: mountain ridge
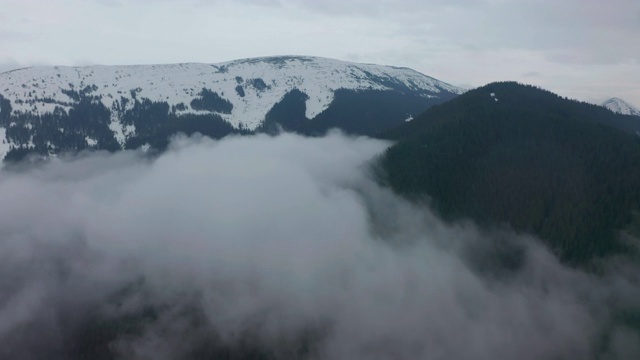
131, 101
116, 79
513, 154
494, 96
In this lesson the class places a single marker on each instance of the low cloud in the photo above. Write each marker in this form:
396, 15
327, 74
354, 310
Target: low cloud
282, 247
532, 74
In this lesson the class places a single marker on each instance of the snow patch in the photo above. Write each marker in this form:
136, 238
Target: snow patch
90, 141
621, 107
5, 145
129, 130
118, 133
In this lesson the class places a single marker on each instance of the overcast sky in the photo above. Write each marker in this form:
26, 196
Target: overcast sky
584, 49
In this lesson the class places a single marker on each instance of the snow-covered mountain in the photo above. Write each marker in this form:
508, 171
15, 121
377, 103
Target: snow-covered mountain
240, 95
621, 107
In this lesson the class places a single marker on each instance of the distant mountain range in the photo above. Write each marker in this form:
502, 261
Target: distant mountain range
621, 107
504, 153
48, 110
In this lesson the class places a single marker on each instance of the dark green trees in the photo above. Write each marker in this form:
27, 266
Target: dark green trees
537, 162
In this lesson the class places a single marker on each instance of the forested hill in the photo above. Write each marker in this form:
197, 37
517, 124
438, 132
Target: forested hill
514, 154
514, 100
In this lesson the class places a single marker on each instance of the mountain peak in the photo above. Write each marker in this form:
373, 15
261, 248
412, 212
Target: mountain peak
620, 106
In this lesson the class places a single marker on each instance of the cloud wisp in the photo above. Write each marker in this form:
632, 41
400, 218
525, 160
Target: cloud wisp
276, 247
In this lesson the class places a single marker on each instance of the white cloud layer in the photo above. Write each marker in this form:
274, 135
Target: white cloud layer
284, 244
581, 48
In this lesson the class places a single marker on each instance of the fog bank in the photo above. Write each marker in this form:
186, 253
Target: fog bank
277, 248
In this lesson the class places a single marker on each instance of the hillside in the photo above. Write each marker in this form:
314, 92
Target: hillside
48, 110
514, 154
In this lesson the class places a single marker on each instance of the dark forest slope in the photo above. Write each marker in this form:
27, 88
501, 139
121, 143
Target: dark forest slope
514, 154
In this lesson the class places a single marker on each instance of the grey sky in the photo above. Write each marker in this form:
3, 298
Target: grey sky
585, 49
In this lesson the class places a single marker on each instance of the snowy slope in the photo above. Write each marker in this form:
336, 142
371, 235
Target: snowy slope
621, 107
180, 83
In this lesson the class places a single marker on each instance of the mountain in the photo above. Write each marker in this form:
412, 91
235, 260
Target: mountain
52, 109
621, 107
518, 155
